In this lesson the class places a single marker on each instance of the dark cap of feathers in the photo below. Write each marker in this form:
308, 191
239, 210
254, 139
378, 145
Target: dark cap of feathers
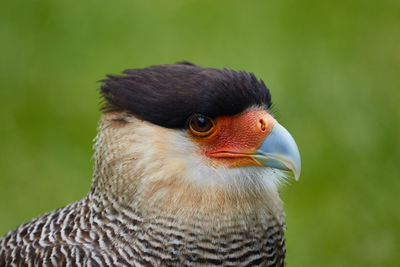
167, 95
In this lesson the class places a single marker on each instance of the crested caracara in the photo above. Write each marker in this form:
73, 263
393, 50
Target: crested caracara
187, 164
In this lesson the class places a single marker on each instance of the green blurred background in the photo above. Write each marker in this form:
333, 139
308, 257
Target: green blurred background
333, 69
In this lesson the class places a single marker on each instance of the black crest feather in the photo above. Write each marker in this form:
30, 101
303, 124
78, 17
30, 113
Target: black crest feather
167, 95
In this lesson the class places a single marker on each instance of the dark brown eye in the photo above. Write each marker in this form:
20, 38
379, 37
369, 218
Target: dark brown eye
201, 125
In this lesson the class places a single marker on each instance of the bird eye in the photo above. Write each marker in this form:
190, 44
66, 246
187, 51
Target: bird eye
201, 125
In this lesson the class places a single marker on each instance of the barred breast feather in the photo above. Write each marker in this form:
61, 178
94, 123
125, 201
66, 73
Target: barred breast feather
88, 233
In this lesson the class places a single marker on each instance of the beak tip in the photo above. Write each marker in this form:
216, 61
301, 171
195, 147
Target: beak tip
296, 174
297, 166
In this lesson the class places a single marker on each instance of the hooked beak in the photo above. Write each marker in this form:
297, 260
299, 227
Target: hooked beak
279, 150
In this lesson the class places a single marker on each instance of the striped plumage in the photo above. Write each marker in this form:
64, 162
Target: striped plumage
156, 200
88, 234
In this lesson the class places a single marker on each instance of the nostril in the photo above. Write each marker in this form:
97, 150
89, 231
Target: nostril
262, 124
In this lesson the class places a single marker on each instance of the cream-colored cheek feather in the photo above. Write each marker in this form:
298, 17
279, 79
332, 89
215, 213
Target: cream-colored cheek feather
159, 168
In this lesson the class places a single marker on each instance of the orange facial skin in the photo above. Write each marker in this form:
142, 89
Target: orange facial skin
235, 138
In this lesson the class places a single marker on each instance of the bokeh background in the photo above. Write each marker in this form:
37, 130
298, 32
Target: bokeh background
333, 68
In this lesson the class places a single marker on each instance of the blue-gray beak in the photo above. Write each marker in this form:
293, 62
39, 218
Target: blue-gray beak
279, 150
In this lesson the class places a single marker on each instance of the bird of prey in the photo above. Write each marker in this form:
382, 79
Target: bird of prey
188, 162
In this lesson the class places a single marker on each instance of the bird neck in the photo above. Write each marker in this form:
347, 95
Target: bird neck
189, 205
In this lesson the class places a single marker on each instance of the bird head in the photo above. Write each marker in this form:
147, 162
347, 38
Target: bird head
184, 135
